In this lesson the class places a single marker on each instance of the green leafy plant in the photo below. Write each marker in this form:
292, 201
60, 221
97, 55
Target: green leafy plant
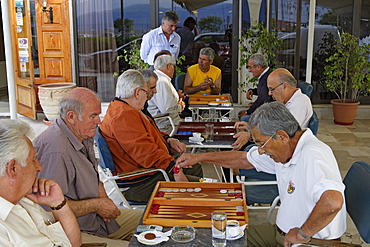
132, 57
347, 70
259, 40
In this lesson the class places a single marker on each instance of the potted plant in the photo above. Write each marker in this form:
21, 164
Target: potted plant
348, 76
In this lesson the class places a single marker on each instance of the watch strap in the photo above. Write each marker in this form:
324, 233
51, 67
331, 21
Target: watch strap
64, 202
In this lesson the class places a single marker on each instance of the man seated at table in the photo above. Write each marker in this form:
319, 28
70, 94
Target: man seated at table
66, 152
22, 221
166, 100
203, 78
282, 87
135, 141
310, 185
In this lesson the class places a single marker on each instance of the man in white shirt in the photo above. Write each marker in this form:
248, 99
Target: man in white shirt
310, 185
162, 38
22, 221
167, 99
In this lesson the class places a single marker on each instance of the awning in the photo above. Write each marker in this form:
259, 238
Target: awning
192, 5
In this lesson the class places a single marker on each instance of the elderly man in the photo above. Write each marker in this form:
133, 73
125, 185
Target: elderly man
310, 185
283, 87
161, 38
203, 78
167, 99
258, 66
151, 79
135, 141
22, 221
66, 151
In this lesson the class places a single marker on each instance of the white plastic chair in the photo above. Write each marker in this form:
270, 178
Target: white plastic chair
167, 115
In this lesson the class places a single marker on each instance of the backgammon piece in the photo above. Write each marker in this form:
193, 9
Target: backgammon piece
154, 211
198, 99
239, 213
223, 191
160, 193
238, 196
238, 192
239, 209
197, 190
176, 170
155, 206
168, 190
175, 190
231, 193
182, 190
189, 190
162, 190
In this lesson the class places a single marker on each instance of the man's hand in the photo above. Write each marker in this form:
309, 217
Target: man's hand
46, 192
182, 103
203, 86
186, 160
241, 139
249, 94
179, 147
241, 125
181, 94
107, 209
293, 237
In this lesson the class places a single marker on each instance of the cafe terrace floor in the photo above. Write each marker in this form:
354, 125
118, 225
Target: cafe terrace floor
349, 143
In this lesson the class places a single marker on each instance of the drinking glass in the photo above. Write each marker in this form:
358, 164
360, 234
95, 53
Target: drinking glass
209, 132
219, 219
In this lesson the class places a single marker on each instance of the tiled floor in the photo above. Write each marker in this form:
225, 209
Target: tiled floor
349, 143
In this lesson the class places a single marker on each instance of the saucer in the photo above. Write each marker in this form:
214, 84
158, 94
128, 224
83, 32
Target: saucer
213, 104
241, 234
192, 139
160, 237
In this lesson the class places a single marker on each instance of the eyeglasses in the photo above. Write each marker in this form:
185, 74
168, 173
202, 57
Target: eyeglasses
249, 67
144, 90
271, 90
264, 145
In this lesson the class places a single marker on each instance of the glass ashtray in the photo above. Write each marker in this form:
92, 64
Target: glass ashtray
183, 233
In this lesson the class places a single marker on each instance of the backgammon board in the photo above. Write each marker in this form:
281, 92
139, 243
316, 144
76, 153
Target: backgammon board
177, 203
222, 130
221, 100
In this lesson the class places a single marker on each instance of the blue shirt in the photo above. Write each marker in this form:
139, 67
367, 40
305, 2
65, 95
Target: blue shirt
155, 41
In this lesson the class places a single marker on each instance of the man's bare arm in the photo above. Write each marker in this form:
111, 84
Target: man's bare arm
330, 203
227, 159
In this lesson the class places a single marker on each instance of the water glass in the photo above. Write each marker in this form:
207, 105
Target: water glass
212, 114
209, 132
219, 219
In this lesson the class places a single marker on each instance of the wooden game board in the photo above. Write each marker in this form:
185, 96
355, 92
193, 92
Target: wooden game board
223, 130
205, 99
194, 208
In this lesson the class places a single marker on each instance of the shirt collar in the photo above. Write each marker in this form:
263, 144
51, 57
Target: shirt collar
6, 207
298, 149
162, 73
77, 145
263, 72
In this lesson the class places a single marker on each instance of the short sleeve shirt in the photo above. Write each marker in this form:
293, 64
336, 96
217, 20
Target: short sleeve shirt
197, 76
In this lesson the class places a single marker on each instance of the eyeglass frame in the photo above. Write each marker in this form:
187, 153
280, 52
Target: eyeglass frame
264, 145
249, 67
142, 89
271, 90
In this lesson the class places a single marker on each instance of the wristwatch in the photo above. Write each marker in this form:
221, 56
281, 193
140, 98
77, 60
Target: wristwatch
64, 202
302, 234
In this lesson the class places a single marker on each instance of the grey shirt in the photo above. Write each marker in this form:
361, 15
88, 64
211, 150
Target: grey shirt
73, 166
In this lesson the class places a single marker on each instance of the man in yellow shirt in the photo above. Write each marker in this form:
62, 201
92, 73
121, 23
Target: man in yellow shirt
203, 78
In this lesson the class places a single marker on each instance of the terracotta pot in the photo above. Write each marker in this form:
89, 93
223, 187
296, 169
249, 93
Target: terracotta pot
50, 95
344, 113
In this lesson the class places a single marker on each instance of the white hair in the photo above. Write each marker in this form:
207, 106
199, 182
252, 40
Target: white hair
128, 82
13, 144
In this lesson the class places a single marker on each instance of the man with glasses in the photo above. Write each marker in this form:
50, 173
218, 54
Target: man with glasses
162, 38
167, 100
283, 87
309, 182
135, 141
258, 66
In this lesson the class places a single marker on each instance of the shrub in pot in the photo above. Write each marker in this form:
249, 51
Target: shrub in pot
348, 76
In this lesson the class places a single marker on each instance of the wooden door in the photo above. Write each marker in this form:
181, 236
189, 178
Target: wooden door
22, 60
48, 50
54, 43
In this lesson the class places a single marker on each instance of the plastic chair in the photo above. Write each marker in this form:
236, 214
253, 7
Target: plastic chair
313, 124
106, 168
179, 81
306, 88
167, 115
357, 190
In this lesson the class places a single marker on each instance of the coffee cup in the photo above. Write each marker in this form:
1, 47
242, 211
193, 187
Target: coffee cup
225, 119
197, 135
232, 228
188, 119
